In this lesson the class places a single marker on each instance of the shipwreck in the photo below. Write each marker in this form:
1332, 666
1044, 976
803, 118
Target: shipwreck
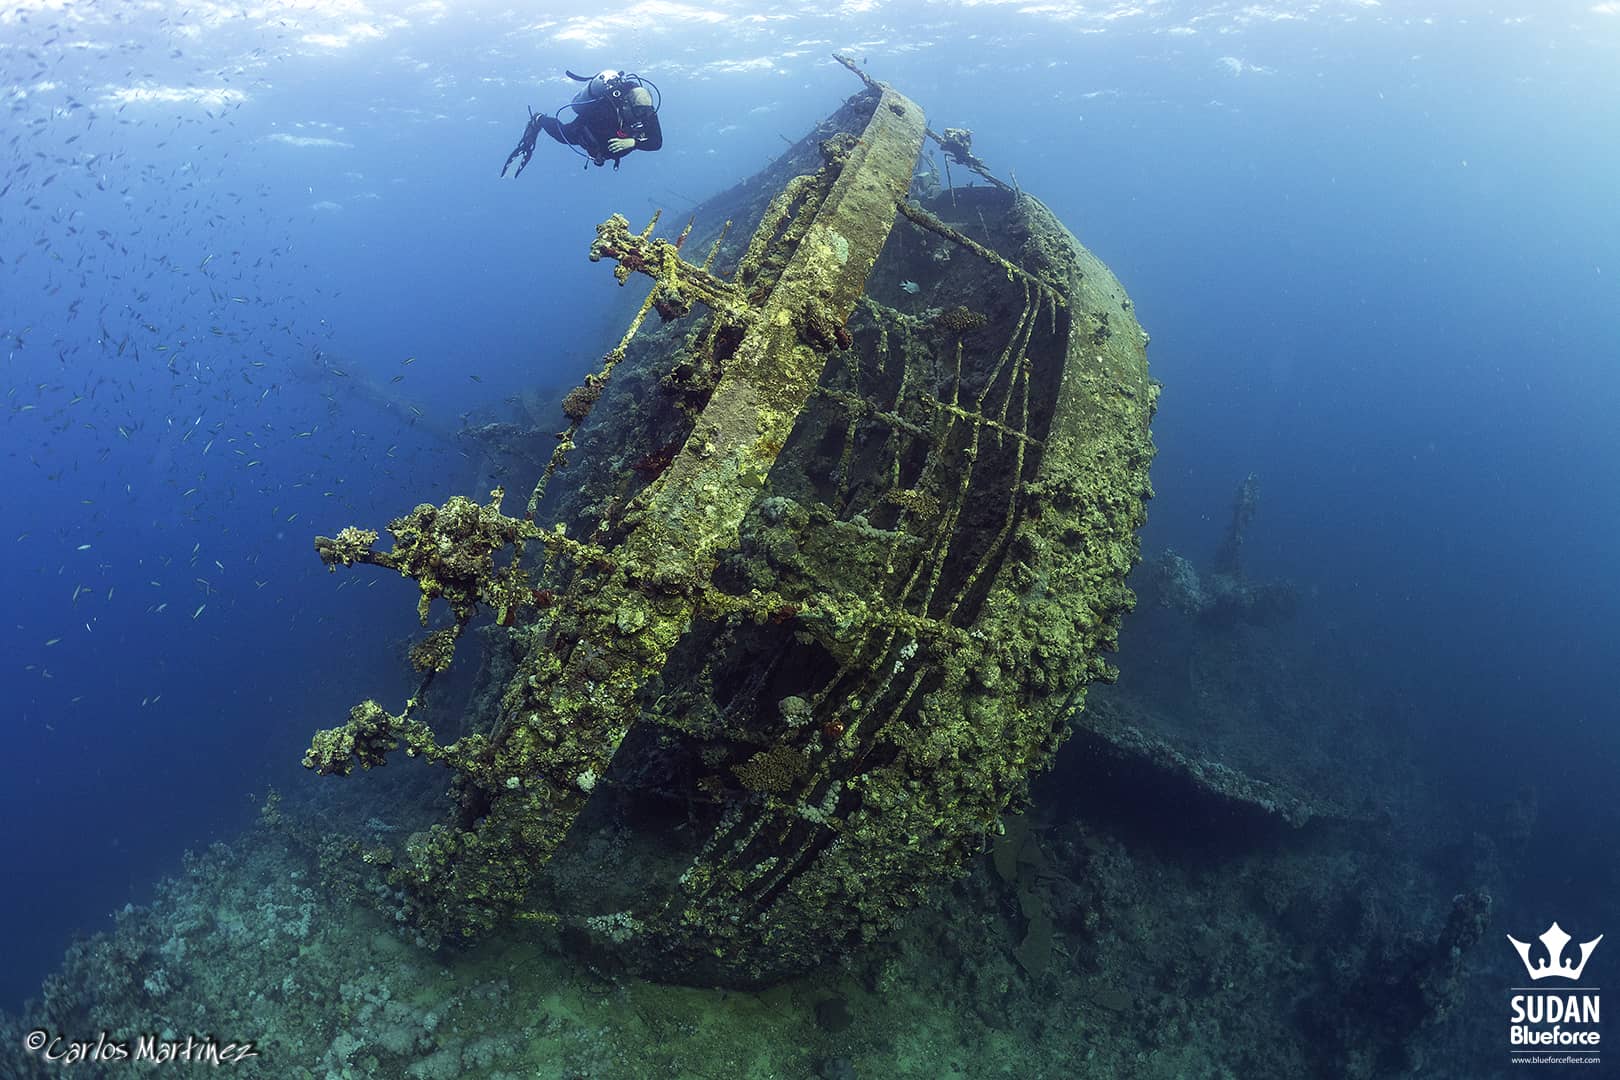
816, 577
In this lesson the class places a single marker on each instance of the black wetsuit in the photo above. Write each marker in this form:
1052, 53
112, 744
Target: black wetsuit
595, 122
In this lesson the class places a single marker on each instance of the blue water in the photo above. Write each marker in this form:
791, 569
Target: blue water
1377, 247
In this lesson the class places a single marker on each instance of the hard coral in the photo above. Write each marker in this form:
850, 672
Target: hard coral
774, 770
960, 319
577, 405
434, 652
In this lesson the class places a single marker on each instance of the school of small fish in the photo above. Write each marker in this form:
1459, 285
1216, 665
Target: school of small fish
171, 409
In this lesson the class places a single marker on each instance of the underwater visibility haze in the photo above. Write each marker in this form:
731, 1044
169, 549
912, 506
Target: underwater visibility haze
895, 539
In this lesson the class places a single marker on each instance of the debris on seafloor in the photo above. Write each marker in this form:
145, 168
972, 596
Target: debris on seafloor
1226, 596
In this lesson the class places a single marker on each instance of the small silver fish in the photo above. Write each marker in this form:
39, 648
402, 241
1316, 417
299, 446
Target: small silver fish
911, 287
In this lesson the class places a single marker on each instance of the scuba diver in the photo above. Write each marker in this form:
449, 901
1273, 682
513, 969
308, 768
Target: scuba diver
614, 113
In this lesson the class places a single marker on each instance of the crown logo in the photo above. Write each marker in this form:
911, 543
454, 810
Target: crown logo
1554, 963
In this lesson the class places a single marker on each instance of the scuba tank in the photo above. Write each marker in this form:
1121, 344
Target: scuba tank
614, 90
596, 87
612, 85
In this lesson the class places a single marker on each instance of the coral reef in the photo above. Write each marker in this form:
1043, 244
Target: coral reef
1105, 943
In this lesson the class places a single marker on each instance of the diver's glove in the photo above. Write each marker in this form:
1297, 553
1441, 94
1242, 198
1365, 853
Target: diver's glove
525, 147
619, 146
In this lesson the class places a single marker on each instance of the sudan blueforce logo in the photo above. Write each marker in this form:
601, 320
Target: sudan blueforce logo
1554, 1016
1553, 964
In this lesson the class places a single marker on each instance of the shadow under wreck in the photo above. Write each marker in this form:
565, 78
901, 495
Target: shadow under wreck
815, 579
